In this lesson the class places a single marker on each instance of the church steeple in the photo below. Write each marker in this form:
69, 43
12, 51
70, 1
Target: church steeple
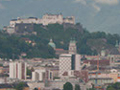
103, 53
119, 47
117, 44
72, 46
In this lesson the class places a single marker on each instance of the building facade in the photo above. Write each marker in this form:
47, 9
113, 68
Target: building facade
17, 70
69, 62
45, 20
38, 75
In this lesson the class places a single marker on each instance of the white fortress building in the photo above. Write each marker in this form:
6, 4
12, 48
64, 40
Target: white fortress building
45, 20
17, 70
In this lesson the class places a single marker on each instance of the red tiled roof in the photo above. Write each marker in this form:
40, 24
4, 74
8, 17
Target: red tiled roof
94, 62
59, 49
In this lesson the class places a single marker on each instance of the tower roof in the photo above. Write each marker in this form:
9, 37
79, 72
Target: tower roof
72, 40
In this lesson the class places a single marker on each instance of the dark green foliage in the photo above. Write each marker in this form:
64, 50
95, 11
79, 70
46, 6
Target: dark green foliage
11, 46
92, 89
111, 88
77, 87
61, 36
67, 86
20, 86
115, 86
29, 72
35, 89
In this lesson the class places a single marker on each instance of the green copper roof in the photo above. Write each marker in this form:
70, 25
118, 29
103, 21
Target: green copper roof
52, 44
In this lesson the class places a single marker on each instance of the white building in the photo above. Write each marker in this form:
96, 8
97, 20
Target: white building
17, 70
45, 20
52, 19
9, 29
68, 63
38, 75
29, 20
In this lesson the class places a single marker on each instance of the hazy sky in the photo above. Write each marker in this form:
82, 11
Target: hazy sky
94, 15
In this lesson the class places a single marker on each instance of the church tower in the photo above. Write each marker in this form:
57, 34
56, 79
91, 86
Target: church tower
72, 47
119, 47
117, 44
103, 52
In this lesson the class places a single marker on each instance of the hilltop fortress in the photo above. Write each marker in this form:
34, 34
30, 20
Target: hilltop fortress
25, 25
45, 20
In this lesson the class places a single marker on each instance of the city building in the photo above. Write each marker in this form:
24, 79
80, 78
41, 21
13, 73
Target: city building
17, 70
101, 81
69, 62
38, 74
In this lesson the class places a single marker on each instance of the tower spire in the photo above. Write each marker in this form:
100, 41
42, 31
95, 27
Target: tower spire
117, 44
72, 46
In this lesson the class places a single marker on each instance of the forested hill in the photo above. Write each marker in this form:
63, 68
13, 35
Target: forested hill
11, 46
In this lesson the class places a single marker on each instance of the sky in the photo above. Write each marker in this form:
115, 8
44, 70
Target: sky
94, 15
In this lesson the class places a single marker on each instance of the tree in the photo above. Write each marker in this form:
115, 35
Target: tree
35, 88
92, 89
67, 86
77, 87
20, 86
29, 72
115, 86
111, 88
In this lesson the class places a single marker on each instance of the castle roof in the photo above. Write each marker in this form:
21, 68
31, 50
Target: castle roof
32, 18
14, 20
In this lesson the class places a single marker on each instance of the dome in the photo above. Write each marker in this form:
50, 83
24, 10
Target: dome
52, 44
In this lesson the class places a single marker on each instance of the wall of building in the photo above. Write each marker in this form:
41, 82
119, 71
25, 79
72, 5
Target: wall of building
46, 19
38, 75
64, 63
17, 70
33, 85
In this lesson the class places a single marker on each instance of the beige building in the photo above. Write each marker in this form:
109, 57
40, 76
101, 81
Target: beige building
45, 20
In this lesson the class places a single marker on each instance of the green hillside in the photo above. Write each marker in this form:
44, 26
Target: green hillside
11, 46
